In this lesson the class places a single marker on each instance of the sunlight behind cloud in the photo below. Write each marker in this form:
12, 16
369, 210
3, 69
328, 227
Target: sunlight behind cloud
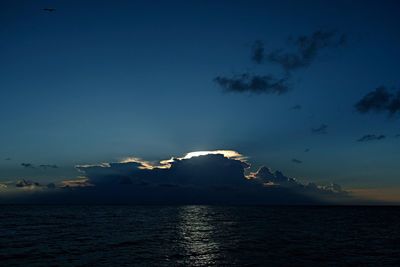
231, 154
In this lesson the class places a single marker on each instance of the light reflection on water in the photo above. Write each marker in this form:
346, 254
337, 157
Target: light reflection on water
197, 235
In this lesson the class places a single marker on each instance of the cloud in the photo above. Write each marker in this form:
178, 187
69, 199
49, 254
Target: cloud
297, 161
265, 176
28, 165
296, 107
381, 100
7, 159
43, 166
307, 150
202, 177
48, 166
371, 137
257, 53
258, 84
397, 136
26, 184
307, 48
320, 130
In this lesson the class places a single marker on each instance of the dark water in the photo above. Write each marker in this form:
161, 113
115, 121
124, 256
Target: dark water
199, 236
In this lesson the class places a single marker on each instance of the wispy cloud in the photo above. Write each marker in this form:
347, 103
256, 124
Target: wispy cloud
320, 130
296, 107
307, 48
48, 166
258, 84
28, 165
371, 137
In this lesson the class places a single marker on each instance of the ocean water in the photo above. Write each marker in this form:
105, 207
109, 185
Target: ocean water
199, 236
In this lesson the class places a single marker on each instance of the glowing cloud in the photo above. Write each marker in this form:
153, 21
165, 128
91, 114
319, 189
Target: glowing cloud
230, 154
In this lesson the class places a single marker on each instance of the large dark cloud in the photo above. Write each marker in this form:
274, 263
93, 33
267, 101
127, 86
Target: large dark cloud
258, 84
371, 137
203, 179
381, 100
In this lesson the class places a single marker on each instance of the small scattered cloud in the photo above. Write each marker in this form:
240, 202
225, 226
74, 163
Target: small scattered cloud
28, 165
42, 166
257, 53
307, 150
320, 130
371, 137
297, 161
381, 100
48, 166
259, 84
7, 159
26, 184
78, 182
397, 136
296, 107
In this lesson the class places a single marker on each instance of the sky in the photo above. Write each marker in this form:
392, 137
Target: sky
308, 88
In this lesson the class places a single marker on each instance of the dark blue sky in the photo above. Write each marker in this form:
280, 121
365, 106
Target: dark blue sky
97, 81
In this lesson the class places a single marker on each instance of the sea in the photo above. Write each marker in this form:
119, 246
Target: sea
35, 235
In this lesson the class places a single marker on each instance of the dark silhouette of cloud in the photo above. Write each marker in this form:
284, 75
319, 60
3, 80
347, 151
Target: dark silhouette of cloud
194, 179
257, 53
371, 137
307, 49
49, 9
307, 150
48, 166
42, 166
26, 183
381, 100
297, 161
28, 165
265, 176
397, 135
258, 84
320, 130
7, 159
296, 107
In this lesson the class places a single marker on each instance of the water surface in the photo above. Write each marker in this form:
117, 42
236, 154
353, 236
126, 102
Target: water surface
199, 236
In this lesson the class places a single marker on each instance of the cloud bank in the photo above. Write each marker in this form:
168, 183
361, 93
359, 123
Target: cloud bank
205, 177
